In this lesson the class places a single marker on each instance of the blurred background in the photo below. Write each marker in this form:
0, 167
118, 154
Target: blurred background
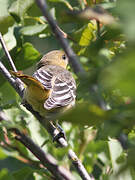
100, 129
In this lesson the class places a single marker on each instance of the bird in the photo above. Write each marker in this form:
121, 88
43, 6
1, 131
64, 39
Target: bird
51, 89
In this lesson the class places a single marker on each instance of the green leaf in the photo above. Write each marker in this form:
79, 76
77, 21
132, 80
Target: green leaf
10, 39
115, 151
5, 19
19, 7
84, 35
34, 11
26, 56
33, 30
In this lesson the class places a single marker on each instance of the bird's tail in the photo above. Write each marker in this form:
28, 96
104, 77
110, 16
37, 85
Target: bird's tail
28, 80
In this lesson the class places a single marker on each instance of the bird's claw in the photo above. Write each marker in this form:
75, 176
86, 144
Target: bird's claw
61, 134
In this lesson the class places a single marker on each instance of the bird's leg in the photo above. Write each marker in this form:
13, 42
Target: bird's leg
61, 133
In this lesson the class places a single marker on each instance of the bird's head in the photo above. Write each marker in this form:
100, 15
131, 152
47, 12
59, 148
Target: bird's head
55, 57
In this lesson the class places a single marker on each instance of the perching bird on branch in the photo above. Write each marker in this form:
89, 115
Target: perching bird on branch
52, 87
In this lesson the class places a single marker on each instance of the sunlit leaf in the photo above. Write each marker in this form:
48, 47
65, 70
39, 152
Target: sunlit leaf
84, 35
26, 56
32, 30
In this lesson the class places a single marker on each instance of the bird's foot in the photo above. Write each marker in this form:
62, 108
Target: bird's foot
61, 134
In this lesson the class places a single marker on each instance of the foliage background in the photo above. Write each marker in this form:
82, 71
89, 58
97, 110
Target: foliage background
106, 51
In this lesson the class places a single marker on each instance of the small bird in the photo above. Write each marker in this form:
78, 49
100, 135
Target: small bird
52, 88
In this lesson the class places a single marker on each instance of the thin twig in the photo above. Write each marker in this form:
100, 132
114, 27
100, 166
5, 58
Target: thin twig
71, 55
20, 83
7, 53
78, 165
52, 130
47, 160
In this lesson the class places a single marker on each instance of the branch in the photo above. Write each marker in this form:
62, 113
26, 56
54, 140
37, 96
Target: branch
7, 53
59, 35
78, 165
46, 159
47, 125
15, 84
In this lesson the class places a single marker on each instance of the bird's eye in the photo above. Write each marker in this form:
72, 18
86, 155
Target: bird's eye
64, 57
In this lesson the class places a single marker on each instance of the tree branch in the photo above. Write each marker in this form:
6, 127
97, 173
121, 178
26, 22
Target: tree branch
55, 28
46, 159
78, 165
15, 84
52, 130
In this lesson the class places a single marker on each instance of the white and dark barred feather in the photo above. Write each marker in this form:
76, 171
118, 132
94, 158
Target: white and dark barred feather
44, 77
61, 84
63, 94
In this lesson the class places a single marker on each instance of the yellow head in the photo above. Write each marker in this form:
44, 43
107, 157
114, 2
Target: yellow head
55, 57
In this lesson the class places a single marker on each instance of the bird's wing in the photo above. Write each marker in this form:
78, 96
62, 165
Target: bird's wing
44, 77
27, 79
63, 92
